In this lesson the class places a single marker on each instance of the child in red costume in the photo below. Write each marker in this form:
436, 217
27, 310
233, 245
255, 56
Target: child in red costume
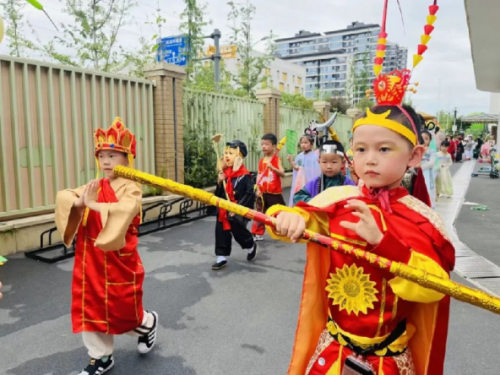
349, 307
108, 273
268, 189
355, 318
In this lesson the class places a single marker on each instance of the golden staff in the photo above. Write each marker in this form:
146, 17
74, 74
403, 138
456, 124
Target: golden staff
418, 276
215, 141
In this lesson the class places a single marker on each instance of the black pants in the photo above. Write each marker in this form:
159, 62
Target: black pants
223, 238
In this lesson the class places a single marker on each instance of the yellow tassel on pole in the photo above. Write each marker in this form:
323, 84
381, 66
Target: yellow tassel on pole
425, 39
417, 59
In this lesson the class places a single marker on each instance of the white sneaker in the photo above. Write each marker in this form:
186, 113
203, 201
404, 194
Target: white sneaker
148, 339
258, 237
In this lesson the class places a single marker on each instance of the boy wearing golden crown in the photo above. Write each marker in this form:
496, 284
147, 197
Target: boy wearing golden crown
355, 318
108, 273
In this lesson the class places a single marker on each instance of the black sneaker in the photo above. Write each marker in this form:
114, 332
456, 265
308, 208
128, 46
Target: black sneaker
147, 341
219, 265
253, 254
98, 366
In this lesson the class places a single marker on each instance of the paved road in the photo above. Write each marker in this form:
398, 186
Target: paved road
240, 321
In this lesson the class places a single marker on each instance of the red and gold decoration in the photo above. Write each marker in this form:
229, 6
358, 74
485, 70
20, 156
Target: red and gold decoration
426, 37
389, 89
117, 138
420, 277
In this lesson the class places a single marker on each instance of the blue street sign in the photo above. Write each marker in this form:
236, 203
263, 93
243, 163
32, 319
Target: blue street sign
173, 50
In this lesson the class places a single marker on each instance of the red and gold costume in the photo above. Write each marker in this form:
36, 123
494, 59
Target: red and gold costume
344, 300
108, 272
269, 184
348, 306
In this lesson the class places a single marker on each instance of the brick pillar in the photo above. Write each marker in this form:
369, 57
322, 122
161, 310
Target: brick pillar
271, 98
323, 108
353, 112
168, 119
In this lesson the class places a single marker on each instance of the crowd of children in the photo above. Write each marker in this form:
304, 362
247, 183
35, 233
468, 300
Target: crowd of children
105, 215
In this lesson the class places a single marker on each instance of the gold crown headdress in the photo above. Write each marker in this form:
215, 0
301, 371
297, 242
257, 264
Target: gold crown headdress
117, 138
389, 89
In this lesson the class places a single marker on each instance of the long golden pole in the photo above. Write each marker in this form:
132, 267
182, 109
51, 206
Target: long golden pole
418, 276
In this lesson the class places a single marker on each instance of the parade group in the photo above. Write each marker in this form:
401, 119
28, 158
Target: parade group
378, 196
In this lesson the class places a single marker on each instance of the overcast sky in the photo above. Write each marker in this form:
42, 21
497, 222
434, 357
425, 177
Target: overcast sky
446, 65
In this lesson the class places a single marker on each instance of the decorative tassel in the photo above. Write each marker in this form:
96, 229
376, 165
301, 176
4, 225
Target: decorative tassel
428, 29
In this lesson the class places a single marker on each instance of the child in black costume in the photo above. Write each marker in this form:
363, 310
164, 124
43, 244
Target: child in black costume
234, 184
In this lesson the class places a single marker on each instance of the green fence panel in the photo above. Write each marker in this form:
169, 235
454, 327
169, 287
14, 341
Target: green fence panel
47, 115
233, 117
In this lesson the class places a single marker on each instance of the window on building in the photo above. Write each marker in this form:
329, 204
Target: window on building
284, 77
297, 90
282, 87
299, 80
267, 72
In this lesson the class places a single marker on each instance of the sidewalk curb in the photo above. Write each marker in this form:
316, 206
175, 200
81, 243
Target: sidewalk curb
461, 183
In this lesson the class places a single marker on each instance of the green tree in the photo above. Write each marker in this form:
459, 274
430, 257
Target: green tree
319, 95
358, 82
296, 100
252, 64
135, 61
92, 34
192, 25
339, 104
363, 77
204, 80
13, 13
365, 103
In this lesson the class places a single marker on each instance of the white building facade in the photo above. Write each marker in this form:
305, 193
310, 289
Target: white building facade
328, 56
282, 75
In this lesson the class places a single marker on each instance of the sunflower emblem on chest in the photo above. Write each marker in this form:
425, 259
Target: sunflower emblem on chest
351, 290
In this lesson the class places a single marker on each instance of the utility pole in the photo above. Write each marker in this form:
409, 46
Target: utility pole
216, 57
455, 120
440, 107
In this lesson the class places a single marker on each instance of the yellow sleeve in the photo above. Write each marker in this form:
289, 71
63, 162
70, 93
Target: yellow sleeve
315, 221
67, 217
116, 219
410, 291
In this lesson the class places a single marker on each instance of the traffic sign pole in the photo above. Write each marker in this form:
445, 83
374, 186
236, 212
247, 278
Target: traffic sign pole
216, 57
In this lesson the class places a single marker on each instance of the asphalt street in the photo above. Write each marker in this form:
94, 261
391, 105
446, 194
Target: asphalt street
240, 321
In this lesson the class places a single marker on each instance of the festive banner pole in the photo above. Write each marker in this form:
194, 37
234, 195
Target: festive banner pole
420, 277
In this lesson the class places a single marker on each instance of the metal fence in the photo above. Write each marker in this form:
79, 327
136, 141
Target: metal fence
343, 126
294, 119
47, 117
234, 117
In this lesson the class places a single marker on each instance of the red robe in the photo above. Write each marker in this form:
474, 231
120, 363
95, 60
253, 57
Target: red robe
413, 234
107, 284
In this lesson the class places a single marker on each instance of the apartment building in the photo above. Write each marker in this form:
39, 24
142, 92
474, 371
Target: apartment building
282, 75
327, 57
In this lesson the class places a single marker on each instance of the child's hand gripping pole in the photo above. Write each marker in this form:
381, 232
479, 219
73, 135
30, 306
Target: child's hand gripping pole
278, 149
418, 276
